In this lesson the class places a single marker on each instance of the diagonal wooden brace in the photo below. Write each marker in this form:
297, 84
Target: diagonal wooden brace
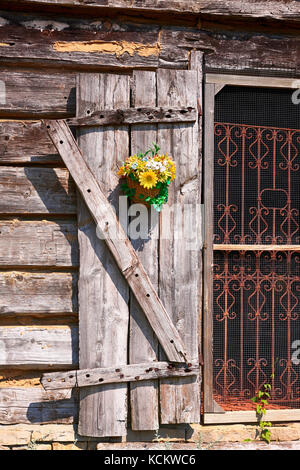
117, 241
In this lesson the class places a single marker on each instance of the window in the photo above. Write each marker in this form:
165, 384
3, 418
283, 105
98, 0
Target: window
254, 286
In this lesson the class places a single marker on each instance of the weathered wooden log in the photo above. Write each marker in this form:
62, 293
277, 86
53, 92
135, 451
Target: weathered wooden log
117, 241
44, 43
26, 142
33, 94
34, 405
38, 293
142, 115
238, 52
36, 191
82, 44
38, 243
39, 347
127, 373
234, 8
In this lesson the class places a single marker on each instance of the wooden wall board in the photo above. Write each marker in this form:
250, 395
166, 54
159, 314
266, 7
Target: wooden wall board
143, 344
26, 142
38, 243
180, 242
26, 190
103, 292
33, 405
38, 293
271, 10
39, 347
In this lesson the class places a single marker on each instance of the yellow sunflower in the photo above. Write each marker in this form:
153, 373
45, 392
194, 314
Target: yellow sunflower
148, 179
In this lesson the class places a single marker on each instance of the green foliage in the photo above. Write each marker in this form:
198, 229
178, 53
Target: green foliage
154, 151
261, 399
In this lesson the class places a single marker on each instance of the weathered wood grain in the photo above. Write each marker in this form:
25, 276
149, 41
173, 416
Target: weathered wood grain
68, 43
39, 347
180, 241
233, 8
117, 241
36, 191
197, 64
140, 115
239, 52
209, 106
33, 94
109, 375
37, 293
26, 142
33, 405
38, 243
103, 292
143, 345
88, 46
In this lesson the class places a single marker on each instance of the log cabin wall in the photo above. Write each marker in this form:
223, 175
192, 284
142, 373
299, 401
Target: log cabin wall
43, 45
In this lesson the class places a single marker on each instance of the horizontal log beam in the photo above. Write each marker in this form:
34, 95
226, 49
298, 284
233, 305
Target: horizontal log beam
117, 241
29, 405
128, 373
26, 142
28, 94
134, 116
38, 243
77, 43
36, 191
258, 9
38, 293
39, 347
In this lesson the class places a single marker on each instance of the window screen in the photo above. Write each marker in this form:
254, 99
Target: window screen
257, 285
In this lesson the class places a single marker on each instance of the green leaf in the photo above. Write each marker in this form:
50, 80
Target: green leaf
266, 435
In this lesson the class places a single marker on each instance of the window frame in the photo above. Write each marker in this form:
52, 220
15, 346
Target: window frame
213, 84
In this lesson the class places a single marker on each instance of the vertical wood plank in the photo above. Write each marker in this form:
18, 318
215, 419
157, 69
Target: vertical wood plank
197, 64
103, 292
143, 342
209, 100
180, 242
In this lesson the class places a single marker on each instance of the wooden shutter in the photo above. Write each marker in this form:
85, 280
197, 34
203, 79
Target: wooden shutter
113, 327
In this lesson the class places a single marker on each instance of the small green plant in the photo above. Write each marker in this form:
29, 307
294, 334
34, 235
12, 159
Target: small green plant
262, 401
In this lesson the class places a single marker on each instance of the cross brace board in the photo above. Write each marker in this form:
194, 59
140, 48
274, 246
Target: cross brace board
142, 115
117, 241
128, 373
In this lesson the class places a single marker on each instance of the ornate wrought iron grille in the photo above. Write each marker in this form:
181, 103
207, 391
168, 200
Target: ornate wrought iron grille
256, 290
260, 169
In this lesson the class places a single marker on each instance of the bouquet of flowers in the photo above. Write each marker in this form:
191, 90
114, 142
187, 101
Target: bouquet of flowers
146, 177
